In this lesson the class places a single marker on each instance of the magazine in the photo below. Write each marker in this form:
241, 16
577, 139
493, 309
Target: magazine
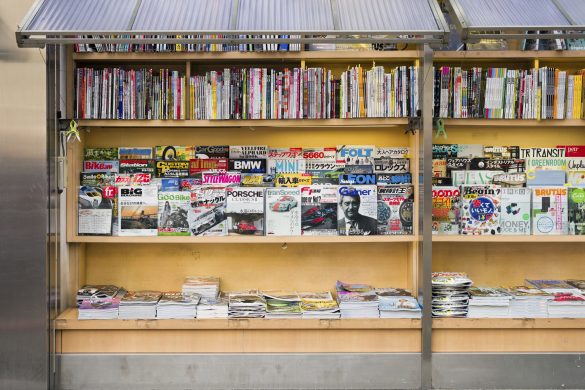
207, 212
395, 210
245, 210
283, 211
138, 211
95, 210
172, 213
357, 210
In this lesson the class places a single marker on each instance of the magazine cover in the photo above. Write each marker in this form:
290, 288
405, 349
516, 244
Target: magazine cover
199, 165
172, 168
357, 210
173, 208
106, 166
391, 165
138, 211
549, 210
357, 179
293, 179
133, 179
446, 207
97, 179
250, 151
295, 153
501, 151
95, 209
212, 151
250, 165
175, 153
473, 177
100, 154
221, 178
283, 211
319, 210
137, 166
288, 165
395, 210
576, 201
166, 184
388, 179
393, 152
515, 206
189, 183
324, 172
207, 212
257, 180
245, 210
356, 154
480, 209
135, 153
320, 154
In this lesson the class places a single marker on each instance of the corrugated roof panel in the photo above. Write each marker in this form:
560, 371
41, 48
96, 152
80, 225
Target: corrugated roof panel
575, 8
386, 15
285, 15
512, 13
82, 15
183, 15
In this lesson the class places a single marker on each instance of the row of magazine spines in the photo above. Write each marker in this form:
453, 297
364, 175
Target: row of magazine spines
544, 93
184, 47
116, 93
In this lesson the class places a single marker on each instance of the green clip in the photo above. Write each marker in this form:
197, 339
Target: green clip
73, 132
440, 129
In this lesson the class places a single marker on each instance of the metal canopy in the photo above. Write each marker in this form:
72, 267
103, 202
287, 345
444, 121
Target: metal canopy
518, 19
232, 21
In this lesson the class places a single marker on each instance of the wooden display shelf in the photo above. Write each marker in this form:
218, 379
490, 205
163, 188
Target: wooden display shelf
509, 238
68, 321
508, 55
509, 323
274, 123
242, 239
515, 122
331, 55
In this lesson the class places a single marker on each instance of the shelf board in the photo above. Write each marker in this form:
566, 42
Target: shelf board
242, 239
273, 123
509, 55
325, 55
68, 321
515, 122
509, 238
509, 323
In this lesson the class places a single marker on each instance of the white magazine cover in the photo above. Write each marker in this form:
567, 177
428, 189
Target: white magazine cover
356, 154
357, 210
480, 209
319, 210
207, 212
283, 211
515, 216
549, 210
138, 211
173, 208
245, 210
95, 209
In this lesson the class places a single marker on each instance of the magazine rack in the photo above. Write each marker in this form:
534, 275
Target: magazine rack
372, 353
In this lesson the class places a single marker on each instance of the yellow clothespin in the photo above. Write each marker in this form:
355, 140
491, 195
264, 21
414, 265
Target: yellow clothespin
440, 129
73, 132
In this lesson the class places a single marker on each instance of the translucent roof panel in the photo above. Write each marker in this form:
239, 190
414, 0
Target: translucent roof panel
386, 15
512, 13
82, 15
285, 15
183, 15
576, 9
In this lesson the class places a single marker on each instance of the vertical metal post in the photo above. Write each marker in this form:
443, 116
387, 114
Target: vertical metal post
425, 209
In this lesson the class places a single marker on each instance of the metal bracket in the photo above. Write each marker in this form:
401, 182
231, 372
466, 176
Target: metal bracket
414, 124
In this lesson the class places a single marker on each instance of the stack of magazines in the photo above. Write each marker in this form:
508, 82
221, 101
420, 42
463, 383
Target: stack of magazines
567, 305
177, 305
488, 302
246, 304
216, 307
553, 286
139, 305
528, 302
397, 303
204, 286
357, 300
99, 302
280, 304
319, 305
450, 294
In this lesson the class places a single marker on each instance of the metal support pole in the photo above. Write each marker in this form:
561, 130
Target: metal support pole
425, 209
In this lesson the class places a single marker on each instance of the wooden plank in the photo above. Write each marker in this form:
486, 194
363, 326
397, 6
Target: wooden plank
509, 239
74, 167
68, 321
243, 341
271, 123
516, 123
509, 55
243, 239
508, 340
509, 323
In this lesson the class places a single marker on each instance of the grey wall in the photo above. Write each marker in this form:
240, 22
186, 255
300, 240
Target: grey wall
24, 337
